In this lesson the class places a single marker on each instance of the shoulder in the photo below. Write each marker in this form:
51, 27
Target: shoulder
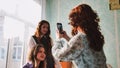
31, 37
78, 39
28, 65
79, 36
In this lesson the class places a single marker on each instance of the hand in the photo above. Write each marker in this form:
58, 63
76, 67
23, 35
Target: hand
66, 36
58, 34
63, 35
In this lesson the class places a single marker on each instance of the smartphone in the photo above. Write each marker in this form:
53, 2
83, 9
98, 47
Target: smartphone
60, 27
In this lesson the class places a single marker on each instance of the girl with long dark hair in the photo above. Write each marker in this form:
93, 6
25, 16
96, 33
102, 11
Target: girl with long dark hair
42, 35
36, 57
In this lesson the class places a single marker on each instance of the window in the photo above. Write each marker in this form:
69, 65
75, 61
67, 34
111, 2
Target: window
20, 20
2, 53
17, 53
17, 50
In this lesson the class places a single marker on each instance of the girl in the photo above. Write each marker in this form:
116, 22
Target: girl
36, 57
85, 48
42, 35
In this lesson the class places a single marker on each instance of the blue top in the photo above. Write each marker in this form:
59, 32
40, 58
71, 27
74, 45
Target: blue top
78, 51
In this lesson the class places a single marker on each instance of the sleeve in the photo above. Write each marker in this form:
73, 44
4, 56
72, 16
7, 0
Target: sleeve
57, 64
32, 42
67, 51
26, 66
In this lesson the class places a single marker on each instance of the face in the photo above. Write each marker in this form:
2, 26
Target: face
44, 28
41, 54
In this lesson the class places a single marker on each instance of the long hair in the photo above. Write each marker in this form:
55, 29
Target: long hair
84, 17
38, 29
46, 41
33, 55
46, 36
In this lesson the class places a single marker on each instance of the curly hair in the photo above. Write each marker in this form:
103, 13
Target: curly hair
84, 17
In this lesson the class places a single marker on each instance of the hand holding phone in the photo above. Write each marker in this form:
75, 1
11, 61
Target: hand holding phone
60, 28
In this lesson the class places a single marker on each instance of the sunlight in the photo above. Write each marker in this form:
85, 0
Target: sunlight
26, 10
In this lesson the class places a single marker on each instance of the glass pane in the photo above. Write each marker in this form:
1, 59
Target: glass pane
2, 53
19, 53
14, 53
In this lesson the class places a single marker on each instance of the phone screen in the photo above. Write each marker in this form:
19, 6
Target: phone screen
59, 27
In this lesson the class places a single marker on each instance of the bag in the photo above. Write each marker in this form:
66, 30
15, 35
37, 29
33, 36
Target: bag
66, 64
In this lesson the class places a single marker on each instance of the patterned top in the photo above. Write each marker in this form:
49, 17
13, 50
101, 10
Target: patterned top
78, 51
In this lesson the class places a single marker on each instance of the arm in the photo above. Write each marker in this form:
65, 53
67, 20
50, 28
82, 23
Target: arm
69, 51
32, 42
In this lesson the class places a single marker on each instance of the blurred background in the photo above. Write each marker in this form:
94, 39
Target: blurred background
19, 19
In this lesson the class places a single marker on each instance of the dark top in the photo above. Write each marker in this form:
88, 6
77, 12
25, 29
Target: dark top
47, 45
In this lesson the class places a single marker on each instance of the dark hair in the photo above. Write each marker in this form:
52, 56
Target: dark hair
84, 17
33, 55
46, 41
38, 30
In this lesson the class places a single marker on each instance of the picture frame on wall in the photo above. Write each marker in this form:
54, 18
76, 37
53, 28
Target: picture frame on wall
114, 4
